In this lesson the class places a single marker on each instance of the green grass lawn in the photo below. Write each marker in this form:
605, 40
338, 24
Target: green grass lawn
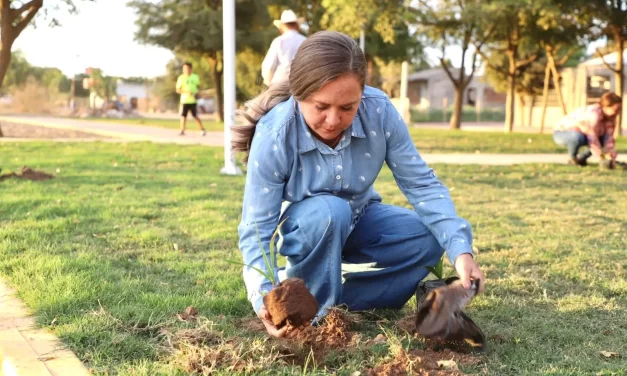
128, 235
427, 140
446, 141
210, 125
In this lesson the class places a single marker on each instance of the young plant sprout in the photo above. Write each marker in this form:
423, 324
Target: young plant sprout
269, 260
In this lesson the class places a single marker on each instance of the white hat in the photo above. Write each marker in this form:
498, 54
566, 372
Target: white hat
288, 16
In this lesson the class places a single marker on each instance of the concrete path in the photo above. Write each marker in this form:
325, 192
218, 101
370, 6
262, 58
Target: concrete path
119, 130
28, 351
127, 132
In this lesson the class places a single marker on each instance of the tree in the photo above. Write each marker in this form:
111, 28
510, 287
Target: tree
561, 32
195, 27
18, 71
515, 23
609, 20
448, 22
311, 10
388, 36
15, 15
103, 86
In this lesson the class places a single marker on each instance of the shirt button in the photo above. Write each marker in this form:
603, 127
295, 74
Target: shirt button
338, 177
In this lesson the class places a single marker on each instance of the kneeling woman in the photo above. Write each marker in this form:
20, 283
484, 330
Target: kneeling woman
591, 126
319, 142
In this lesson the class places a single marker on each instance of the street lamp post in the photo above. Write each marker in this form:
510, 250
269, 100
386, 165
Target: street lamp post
228, 32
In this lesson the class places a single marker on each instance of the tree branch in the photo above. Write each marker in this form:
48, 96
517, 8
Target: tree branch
15, 13
31, 8
472, 72
448, 72
485, 37
527, 61
492, 66
565, 58
605, 62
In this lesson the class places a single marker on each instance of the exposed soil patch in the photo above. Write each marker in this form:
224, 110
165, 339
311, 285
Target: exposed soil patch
314, 342
14, 130
291, 303
28, 174
425, 363
190, 314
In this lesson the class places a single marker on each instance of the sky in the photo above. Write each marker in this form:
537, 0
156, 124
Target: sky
102, 36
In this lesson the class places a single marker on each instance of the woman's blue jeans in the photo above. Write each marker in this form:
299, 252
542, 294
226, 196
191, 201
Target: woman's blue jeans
319, 235
573, 140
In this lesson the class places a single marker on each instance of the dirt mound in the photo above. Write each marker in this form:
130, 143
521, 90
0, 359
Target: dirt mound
425, 363
291, 303
334, 331
314, 342
28, 174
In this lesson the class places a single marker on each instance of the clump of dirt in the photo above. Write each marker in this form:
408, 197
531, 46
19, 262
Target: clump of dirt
190, 314
28, 174
334, 331
291, 303
424, 363
312, 343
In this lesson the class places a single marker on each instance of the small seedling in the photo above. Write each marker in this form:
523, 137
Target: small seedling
438, 270
269, 260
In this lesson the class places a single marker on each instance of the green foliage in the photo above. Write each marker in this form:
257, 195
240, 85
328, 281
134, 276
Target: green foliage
388, 36
248, 74
104, 86
20, 70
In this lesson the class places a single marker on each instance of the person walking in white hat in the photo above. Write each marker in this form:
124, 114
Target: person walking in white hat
276, 65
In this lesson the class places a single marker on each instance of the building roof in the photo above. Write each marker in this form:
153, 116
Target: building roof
609, 58
427, 74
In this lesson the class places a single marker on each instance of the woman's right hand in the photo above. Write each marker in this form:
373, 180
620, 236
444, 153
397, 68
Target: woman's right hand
286, 331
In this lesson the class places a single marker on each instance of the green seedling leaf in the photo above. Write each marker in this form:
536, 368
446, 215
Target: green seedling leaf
269, 260
264, 274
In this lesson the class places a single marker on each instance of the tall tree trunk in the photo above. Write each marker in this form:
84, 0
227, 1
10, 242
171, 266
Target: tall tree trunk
456, 117
10, 30
521, 101
619, 78
217, 79
5, 60
510, 104
556, 81
530, 116
545, 96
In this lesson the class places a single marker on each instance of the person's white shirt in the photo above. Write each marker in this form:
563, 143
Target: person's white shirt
276, 65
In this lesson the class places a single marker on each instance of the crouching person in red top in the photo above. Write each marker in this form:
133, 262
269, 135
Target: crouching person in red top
591, 126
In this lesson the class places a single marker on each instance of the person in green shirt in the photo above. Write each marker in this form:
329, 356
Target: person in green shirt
187, 86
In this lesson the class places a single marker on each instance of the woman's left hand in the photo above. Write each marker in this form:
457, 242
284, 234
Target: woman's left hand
467, 269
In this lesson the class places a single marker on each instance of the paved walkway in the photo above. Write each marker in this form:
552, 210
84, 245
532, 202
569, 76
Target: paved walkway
127, 132
120, 130
28, 351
